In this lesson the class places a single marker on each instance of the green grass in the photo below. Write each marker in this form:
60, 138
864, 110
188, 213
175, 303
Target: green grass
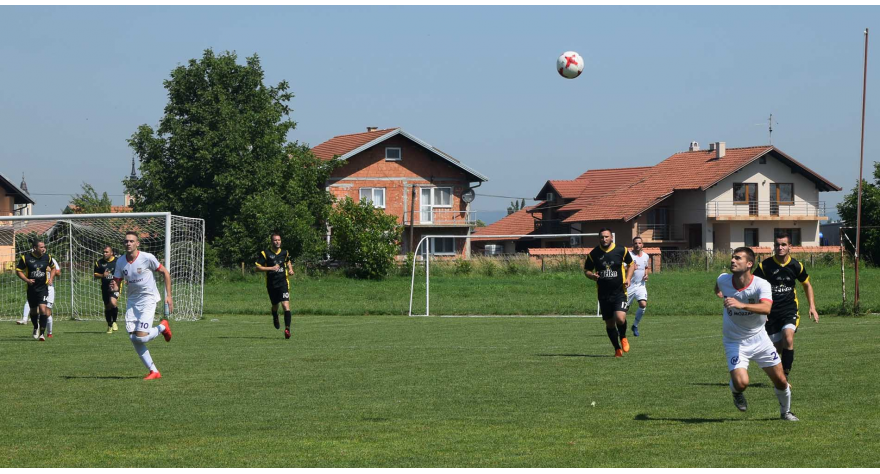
358, 391
568, 293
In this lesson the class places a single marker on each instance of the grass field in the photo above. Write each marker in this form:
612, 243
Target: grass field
358, 391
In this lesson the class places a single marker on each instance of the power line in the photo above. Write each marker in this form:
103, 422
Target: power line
506, 197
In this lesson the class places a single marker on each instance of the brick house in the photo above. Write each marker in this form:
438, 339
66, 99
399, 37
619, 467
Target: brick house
697, 199
407, 177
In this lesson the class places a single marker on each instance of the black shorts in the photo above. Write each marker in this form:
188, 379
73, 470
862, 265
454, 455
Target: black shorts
277, 295
37, 296
612, 304
106, 294
776, 323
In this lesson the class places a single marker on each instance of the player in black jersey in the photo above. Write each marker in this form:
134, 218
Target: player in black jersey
605, 266
276, 263
781, 270
37, 270
104, 270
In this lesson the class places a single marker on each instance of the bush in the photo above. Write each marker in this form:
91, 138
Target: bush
364, 238
463, 267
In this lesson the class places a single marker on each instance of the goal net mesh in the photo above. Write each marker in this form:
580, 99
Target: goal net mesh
77, 242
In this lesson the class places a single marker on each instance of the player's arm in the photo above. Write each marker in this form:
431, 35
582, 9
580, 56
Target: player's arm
808, 290
20, 269
50, 271
589, 266
630, 267
97, 271
718, 291
167, 277
761, 307
261, 261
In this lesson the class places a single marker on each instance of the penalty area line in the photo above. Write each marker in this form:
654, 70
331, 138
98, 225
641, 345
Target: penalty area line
506, 316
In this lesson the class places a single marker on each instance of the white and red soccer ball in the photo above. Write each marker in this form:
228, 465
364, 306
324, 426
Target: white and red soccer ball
570, 65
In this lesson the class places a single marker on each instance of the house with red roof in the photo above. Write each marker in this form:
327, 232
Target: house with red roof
720, 198
426, 188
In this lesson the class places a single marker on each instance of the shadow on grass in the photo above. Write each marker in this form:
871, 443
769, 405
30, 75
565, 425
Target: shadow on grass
247, 337
689, 421
100, 377
574, 355
17, 339
85, 332
727, 384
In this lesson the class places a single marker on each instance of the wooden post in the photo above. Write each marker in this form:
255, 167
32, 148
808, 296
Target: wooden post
242, 268
842, 272
542, 264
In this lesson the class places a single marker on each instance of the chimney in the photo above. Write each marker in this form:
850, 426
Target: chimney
712, 147
694, 146
720, 150
372, 129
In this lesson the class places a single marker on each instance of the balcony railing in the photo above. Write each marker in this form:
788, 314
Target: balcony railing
552, 226
659, 232
441, 217
766, 208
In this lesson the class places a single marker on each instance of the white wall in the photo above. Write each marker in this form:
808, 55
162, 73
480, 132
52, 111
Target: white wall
774, 171
736, 232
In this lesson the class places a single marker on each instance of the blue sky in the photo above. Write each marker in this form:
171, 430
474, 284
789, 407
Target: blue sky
476, 82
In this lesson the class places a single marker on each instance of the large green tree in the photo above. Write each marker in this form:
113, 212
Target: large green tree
221, 153
848, 210
364, 238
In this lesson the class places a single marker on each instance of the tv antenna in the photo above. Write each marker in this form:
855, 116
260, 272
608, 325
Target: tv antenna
770, 123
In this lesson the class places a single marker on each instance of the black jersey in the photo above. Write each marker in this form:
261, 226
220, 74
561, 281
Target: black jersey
36, 268
609, 265
782, 277
103, 265
269, 258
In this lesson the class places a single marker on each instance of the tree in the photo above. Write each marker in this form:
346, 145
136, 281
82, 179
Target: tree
479, 223
516, 206
870, 238
220, 153
89, 202
365, 238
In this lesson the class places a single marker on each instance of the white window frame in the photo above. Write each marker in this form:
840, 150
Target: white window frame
372, 198
399, 153
426, 210
433, 247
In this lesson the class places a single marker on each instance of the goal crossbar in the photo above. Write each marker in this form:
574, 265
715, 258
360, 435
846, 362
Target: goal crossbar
468, 237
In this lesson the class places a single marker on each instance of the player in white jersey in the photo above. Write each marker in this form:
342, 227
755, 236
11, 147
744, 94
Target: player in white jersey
637, 290
50, 302
747, 302
141, 298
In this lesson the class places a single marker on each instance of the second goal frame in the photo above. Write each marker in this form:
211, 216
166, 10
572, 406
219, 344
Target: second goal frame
459, 236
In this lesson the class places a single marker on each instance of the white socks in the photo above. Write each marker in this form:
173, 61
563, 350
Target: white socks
733, 390
144, 354
639, 313
784, 397
49, 325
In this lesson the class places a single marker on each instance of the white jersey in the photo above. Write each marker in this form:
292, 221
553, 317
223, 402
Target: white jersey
641, 264
55, 263
140, 285
740, 324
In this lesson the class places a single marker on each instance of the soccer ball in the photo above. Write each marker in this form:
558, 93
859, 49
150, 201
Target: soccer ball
570, 65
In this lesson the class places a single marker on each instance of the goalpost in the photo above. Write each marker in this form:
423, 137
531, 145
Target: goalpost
428, 260
76, 241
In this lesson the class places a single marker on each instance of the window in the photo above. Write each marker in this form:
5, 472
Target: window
782, 193
750, 239
434, 198
795, 235
550, 197
744, 193
443, 246
374, 195
392, 154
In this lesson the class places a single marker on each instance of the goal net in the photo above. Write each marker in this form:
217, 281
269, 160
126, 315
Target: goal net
423, 257
76, 241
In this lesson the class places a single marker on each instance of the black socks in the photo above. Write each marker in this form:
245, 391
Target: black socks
787, 360
287, 319
612, 334
621, 329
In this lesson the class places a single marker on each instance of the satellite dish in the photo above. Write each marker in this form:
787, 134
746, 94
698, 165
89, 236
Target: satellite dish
468, 196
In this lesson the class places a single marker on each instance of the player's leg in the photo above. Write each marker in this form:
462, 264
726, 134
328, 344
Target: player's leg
738, 366
642, 296
607, 309
620, 320
50, 302
44, 319
108, 311
787, 345
138, 323
114, 309
26, 314
630, 299
275, 299
285, 303
34, 312
767, 358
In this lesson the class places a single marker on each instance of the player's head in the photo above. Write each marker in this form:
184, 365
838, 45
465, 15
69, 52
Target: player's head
742, 260
605, 238
39, 247
108, 251
638, 244
131, 241
276, 240
782, 245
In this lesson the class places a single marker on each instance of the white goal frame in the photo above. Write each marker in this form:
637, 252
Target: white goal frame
61, 218
459, 236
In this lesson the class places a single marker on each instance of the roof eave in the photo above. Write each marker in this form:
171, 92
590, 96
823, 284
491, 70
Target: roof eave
20, 197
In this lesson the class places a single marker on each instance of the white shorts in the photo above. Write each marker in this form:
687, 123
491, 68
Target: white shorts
757, 348
140, 317
636, 293
50, 300
777, 336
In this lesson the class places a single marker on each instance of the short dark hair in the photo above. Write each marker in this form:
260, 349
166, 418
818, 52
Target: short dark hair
637, 238
135, 234
605, 229
107, 247
36, 242
783, 235
750, 254
273, 234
